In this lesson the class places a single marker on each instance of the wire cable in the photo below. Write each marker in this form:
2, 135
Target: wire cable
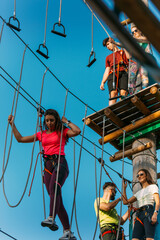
80, 153
59, 158
1, 31
74, 178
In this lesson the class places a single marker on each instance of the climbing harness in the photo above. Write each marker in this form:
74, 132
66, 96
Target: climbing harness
59, 24
92, 58
17, 28
45, 55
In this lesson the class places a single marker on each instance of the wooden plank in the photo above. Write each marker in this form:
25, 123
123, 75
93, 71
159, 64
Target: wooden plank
156, 3
155, 92
140, 105
152, 117
126, 22
93, 126
113, 117
119, 155
151, 127
139, 13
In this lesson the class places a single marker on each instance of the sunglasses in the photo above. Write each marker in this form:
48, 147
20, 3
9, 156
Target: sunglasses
113, 190
140, 175
134, 31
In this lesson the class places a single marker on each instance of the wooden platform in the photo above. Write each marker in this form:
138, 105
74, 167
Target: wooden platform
137, 115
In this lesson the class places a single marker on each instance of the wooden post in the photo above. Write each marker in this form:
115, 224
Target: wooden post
145, 159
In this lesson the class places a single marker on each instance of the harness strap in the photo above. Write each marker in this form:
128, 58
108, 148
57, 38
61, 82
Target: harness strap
109, 231
58, 184
139, 220
46, 170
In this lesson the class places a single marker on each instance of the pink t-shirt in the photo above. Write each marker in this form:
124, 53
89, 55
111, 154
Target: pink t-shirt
51, 141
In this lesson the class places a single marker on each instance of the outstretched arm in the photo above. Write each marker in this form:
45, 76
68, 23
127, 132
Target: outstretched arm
105, 76
125, 200
17, 134
125, 217
74, 131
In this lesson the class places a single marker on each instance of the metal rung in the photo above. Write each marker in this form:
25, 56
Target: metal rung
13, 26
62, 34
41, 53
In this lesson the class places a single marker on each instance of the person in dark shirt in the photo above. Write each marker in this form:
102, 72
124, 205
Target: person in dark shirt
116, 72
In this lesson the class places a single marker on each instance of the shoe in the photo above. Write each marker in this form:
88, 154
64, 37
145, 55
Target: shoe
68, 235
49, 223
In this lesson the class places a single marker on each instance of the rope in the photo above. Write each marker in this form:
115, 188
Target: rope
20, 86
34, 173
114, 68
44, 208
15, 109
74, 188
96, 18
31, 154
40, 148
98, 199
14, 14
121, 187
16, 90
80, 153
60, 8
59, 157
92, 33
1, 31
96, 193
44, 43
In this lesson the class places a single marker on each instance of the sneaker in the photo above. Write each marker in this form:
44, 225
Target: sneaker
68, 235
48, 223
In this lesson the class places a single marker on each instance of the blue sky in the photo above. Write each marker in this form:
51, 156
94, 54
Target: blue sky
68, 59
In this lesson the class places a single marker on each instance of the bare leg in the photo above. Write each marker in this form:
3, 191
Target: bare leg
112, 95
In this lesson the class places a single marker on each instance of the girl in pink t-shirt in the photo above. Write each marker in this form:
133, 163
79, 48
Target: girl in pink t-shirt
51, 138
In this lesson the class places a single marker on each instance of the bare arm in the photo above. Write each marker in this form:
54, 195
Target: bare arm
157, 205
125, 217
74, 131
125, 200
105, 76
17, 134
108, 206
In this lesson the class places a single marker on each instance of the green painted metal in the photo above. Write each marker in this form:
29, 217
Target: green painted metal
131, 136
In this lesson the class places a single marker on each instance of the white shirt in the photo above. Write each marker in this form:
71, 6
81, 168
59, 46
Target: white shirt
145, 195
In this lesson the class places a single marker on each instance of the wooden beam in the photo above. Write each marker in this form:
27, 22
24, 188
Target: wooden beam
93, 126
112, 136
119, 155
144, 19
155, 92
113, 117
126, 22
140, 105
156, 3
